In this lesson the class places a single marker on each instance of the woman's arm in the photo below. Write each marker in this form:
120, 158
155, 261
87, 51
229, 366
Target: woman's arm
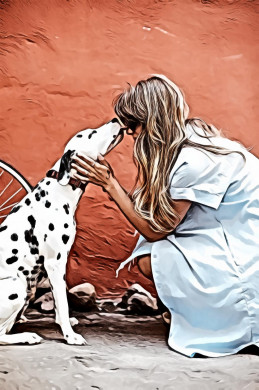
99, 173
126, 206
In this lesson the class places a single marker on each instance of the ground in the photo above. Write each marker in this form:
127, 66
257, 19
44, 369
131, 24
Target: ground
123, 352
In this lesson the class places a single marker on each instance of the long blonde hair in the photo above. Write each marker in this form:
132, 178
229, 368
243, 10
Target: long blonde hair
158, 105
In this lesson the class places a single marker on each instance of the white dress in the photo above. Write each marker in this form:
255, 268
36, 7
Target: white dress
207, 271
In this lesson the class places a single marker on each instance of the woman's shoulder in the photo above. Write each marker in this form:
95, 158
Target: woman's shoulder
193, 157
197, 161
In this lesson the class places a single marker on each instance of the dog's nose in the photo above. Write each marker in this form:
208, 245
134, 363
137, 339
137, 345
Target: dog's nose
114, 120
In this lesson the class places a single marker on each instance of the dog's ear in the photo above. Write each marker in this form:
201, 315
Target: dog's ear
65, 168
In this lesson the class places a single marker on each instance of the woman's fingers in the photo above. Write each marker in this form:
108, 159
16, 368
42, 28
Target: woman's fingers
88, 169
105, 163
93, 176
80, 177
83, 163
88, 162
89, 178
79, 169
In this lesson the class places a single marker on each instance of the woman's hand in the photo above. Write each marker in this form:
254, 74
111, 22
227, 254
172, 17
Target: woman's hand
97, 172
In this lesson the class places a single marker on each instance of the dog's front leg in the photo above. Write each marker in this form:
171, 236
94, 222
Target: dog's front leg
56, 273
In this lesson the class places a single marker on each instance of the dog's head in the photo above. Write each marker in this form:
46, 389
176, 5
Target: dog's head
89, 142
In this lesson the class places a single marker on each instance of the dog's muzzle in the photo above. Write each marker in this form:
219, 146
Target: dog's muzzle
116, 140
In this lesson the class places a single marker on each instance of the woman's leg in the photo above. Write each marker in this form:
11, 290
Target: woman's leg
144, 265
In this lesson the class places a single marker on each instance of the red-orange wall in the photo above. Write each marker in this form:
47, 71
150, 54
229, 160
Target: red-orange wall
61, 64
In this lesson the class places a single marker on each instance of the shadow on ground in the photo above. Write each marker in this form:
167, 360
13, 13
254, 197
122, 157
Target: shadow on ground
123, 352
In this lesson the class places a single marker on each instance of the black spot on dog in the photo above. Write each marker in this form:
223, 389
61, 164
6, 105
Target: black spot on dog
64, 277
32, 279
47, 204
47, 183
11, 260
51, 226
65, 238
65, 225
45, 237
32, 221
34, 272
90, 135
79, 136
37, 197
73, 187
40, 260
15, 251
34, 251
13, 296
26, 272
15, 209
66, 208
58, 256
21, 268
27, 236
14, 237
3, 228
43, 193
28, 202
34, 241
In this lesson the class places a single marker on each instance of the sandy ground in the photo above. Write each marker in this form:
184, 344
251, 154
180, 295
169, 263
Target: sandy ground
123, 352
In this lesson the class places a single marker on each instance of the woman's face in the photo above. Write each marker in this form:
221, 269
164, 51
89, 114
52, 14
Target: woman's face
129, 131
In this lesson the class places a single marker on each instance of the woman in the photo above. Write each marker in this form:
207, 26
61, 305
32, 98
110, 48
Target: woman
196, 208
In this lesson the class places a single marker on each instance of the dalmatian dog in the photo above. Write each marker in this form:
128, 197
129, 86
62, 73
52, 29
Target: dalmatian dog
37, 236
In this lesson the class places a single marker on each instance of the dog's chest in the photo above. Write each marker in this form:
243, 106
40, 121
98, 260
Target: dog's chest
51, 217
40, 227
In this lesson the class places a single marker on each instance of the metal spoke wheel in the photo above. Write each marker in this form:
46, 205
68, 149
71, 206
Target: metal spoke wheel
13, 187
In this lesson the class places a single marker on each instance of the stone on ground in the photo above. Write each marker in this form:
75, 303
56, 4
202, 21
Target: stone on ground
82, 297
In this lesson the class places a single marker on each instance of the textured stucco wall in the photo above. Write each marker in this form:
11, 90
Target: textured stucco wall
61, 64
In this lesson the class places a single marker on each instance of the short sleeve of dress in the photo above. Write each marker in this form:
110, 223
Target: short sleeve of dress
201, 177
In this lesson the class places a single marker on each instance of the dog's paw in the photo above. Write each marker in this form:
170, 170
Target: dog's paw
73, 321
75, 339
30, 338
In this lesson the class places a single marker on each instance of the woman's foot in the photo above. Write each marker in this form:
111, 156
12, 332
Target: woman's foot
165, 313
166, 316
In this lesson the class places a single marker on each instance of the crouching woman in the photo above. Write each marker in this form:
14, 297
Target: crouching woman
196, 208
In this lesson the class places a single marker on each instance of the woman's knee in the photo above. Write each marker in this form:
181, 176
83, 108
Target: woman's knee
144, 265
